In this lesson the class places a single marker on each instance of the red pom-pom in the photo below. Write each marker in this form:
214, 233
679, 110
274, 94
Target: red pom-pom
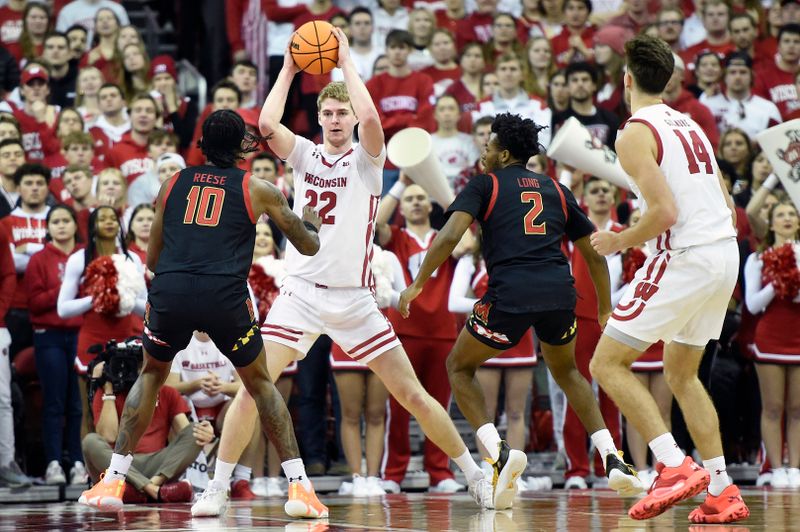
780, 268
632, 260
100, 282
264, 288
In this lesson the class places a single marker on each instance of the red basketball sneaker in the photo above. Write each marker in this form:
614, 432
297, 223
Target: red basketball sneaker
726, 507
672, 485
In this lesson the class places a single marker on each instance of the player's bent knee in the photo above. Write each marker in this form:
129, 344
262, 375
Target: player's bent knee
415, 401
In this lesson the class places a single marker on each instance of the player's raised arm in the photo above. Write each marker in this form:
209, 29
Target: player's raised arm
636, 148
279, 137
442, 247
370, 130
301, 233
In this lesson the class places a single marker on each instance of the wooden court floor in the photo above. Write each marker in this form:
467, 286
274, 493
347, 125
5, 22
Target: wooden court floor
557, 510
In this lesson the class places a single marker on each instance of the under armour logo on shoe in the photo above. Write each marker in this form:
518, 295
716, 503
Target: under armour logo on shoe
720, 471
298, 479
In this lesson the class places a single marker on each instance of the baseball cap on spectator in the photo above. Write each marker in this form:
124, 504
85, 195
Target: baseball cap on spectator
32, 73
614, 37
163, 64
250, 116
165, 158
739, 59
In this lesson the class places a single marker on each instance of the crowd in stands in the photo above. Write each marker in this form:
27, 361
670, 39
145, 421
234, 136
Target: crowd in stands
91, 125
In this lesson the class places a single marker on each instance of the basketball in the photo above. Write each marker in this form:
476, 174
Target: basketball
315, 48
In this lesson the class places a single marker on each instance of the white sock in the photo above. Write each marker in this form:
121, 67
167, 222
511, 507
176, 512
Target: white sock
241, 472
719, 476
222, 474
468, 466
118, 467
666, 450
295, 470
490, 438
604, 444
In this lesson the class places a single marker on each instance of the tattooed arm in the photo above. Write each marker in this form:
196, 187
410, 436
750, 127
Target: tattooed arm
268, 199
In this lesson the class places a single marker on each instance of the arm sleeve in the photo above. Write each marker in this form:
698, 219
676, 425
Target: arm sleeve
69, 305
578, 224
756, 297
21, 260
458, 301
474, 198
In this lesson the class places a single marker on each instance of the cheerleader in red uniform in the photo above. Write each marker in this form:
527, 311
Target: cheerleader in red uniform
649, 368
513, 366
361, 392
104, 283
266, 275
772, 290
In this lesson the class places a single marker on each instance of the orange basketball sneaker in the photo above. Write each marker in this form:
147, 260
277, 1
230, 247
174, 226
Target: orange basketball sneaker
303, 503
672, 485
104, 495
726, 507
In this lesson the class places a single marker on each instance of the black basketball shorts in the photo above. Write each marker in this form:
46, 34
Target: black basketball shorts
503, 330
178, 304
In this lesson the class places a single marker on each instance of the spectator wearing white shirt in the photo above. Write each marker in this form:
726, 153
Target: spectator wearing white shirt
82, 12
737, 106
363, 48
510, 97
693, 30
455, 150
389, 16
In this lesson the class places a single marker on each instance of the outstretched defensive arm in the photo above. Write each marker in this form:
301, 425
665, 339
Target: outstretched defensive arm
441, 248
301, 233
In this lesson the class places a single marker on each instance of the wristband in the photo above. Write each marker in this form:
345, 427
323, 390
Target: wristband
107, 397
397, 190
310, 226
771, 182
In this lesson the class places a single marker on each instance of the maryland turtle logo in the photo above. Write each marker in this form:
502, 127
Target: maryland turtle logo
481, 311
791, 155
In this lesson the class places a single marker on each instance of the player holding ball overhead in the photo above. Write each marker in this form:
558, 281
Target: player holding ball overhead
314, 47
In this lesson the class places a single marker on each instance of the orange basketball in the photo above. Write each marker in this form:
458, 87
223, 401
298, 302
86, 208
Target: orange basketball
315, 49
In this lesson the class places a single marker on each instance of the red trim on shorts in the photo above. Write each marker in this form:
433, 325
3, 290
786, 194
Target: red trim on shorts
493, 199
367, 342
247, 201
373, 210
172, 181
373, 348
666, 241
279, 335
281, 328
661, 269
653, 129
563, 199
630, 316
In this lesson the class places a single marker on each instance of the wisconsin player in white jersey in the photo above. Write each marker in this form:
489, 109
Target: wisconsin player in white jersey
680, 294
333, 294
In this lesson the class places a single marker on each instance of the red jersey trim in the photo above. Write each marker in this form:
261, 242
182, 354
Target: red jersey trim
331, 165
563, 200
493, 199
246, 192
373, 211
172, 182
660, 155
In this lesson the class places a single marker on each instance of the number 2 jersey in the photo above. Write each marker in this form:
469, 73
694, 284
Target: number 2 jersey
686, 158
209, 224
524, 217
345, 190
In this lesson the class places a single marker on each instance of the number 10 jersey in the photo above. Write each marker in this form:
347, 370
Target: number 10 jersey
345, 190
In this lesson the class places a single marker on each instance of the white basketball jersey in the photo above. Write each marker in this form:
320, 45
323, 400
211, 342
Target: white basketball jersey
195, 361
686, 158
345, 190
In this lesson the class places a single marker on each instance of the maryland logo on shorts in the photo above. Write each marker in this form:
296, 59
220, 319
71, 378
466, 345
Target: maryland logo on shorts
147, 312
244, 340
250, 311
481, 311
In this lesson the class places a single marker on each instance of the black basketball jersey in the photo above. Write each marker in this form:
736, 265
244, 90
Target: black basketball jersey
524, 217
209, 224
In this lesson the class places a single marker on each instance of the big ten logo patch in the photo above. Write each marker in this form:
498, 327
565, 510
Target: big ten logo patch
244, 340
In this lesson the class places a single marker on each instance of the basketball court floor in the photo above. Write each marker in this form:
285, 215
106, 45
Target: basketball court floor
557, 510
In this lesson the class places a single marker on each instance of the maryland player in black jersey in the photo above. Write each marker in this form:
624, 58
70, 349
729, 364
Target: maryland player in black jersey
523, 218
201, 247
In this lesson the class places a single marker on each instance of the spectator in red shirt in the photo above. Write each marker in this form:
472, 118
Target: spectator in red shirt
574, 43
540, 66
635, 16
157, 462
130, 154
105, 56
467, 89
444, 71
113, 123
11, 21
775, 79
36, 24
36, 118
669, 23
55, 344
684, 101
477, 26
505, 38
715, 15
449, 17
404, 98
744, 35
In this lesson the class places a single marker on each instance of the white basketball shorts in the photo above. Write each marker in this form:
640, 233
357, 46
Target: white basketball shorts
350, 316
678, 295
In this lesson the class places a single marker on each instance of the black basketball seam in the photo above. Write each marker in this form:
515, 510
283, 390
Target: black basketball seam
318, 46
307, 53
306, 40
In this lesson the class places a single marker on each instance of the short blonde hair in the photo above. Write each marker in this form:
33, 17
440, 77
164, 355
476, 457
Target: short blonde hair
336, 90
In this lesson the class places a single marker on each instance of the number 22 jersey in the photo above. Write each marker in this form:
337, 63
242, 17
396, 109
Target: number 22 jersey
524, 217
345, 191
